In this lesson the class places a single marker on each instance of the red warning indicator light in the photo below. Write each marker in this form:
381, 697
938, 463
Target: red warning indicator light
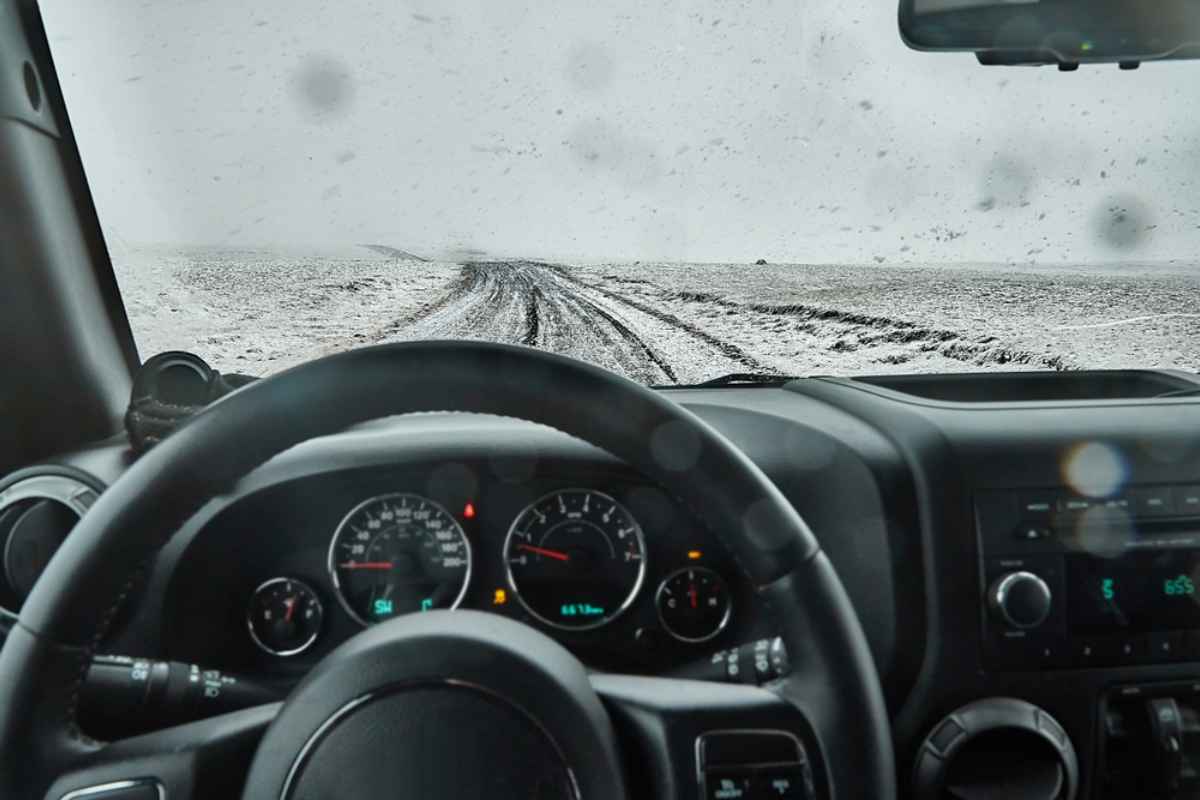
469, 511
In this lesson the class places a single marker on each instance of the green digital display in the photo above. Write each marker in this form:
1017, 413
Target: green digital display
1138, 592
580, 610
383, 608
1180, 586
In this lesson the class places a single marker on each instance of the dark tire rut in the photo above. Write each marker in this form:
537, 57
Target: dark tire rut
541, 305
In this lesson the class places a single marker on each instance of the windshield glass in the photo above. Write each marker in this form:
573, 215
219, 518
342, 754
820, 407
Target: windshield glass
673, 190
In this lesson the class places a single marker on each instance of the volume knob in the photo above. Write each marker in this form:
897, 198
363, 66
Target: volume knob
1020, 600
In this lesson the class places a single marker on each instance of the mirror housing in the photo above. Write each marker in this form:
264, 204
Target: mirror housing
1062, 32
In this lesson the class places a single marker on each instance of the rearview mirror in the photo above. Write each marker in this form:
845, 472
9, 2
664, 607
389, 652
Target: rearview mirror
1063, 32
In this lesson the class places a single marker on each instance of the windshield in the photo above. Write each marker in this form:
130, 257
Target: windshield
673, 190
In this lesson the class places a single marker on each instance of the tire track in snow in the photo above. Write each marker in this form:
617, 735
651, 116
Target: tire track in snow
526, 303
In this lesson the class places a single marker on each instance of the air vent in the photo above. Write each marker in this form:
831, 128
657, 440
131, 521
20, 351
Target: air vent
38, 508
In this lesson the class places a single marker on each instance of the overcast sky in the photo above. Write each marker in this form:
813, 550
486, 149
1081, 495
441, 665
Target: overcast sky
625, 129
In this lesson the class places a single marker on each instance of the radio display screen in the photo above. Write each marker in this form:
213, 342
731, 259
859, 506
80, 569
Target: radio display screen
1135, 593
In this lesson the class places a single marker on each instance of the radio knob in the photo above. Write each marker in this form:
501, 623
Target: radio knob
1020, 600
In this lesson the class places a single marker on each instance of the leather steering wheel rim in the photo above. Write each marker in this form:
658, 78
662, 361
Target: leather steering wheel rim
833, 680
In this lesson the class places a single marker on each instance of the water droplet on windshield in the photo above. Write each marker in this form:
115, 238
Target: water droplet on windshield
323, 86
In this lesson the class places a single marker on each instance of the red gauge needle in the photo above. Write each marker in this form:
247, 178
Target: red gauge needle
542, 551
366, 565
291, 607
693, 595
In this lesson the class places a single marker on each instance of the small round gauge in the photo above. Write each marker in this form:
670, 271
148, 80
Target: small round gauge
399, 553
576, 559
694, 604
284, 616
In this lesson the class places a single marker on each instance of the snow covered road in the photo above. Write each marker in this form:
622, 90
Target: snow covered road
257, 312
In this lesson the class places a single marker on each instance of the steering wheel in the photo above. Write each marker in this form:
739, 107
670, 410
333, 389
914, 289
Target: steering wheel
452, 704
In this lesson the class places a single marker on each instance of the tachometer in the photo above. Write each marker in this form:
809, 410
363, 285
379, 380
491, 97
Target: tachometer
399, 553
576, 558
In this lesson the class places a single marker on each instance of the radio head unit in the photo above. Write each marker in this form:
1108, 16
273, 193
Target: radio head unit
1073, 581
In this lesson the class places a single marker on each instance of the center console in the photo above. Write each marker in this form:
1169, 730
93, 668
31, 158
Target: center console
1070, 581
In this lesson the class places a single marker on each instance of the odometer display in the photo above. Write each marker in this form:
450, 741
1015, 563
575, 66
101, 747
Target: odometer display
576, 558
399, 553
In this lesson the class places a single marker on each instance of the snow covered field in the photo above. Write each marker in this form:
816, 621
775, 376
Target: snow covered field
258, 312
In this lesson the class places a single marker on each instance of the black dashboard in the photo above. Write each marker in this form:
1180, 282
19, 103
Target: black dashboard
1006, 540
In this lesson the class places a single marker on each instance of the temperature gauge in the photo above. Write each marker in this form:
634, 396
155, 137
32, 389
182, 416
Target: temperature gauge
284, 616
693, 604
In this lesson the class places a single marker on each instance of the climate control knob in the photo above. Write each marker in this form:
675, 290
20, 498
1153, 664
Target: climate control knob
1020, 600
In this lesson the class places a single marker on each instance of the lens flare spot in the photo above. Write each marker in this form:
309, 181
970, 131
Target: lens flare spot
1104, 532
1094, 469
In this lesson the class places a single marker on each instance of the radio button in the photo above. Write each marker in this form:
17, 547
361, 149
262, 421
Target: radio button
1093, 652
1153, 502
1130, 649
1033, 532
1187, 500
1020, 653
1167, 646
1050, 653
1076, 505
1037, 505
1118, 503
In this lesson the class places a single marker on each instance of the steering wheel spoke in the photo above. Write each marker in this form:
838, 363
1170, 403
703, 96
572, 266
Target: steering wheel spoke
681, 736
206, 758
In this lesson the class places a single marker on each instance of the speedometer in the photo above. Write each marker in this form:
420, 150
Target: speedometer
576, 558
399, 553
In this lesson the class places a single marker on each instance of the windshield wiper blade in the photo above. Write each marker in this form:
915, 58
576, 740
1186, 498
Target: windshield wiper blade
743, 379
1191, 390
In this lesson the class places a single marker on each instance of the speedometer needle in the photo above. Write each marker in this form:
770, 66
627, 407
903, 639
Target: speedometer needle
542, 551
366, 565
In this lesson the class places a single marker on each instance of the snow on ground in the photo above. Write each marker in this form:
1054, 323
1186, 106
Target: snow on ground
257, 312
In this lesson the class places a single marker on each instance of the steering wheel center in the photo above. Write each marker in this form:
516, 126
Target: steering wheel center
441, 704
444, 739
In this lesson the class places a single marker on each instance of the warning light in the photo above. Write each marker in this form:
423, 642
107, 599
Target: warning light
499, 597
469, 511
695, 555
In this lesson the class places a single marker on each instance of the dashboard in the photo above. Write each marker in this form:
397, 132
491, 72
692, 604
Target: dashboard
1019, 548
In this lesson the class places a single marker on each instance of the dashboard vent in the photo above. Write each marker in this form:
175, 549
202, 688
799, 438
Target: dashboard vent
38, 509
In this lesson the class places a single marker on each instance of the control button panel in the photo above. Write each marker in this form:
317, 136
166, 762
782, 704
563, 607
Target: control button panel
753, 765
1033, 652
1028, 521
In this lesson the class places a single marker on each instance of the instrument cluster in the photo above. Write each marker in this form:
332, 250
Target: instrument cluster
620, 574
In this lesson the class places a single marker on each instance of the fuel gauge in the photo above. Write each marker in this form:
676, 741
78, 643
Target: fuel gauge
694, 604
284, 616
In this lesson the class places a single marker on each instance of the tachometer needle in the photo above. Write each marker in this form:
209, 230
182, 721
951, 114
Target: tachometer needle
291, 607
366, 565
542, 551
